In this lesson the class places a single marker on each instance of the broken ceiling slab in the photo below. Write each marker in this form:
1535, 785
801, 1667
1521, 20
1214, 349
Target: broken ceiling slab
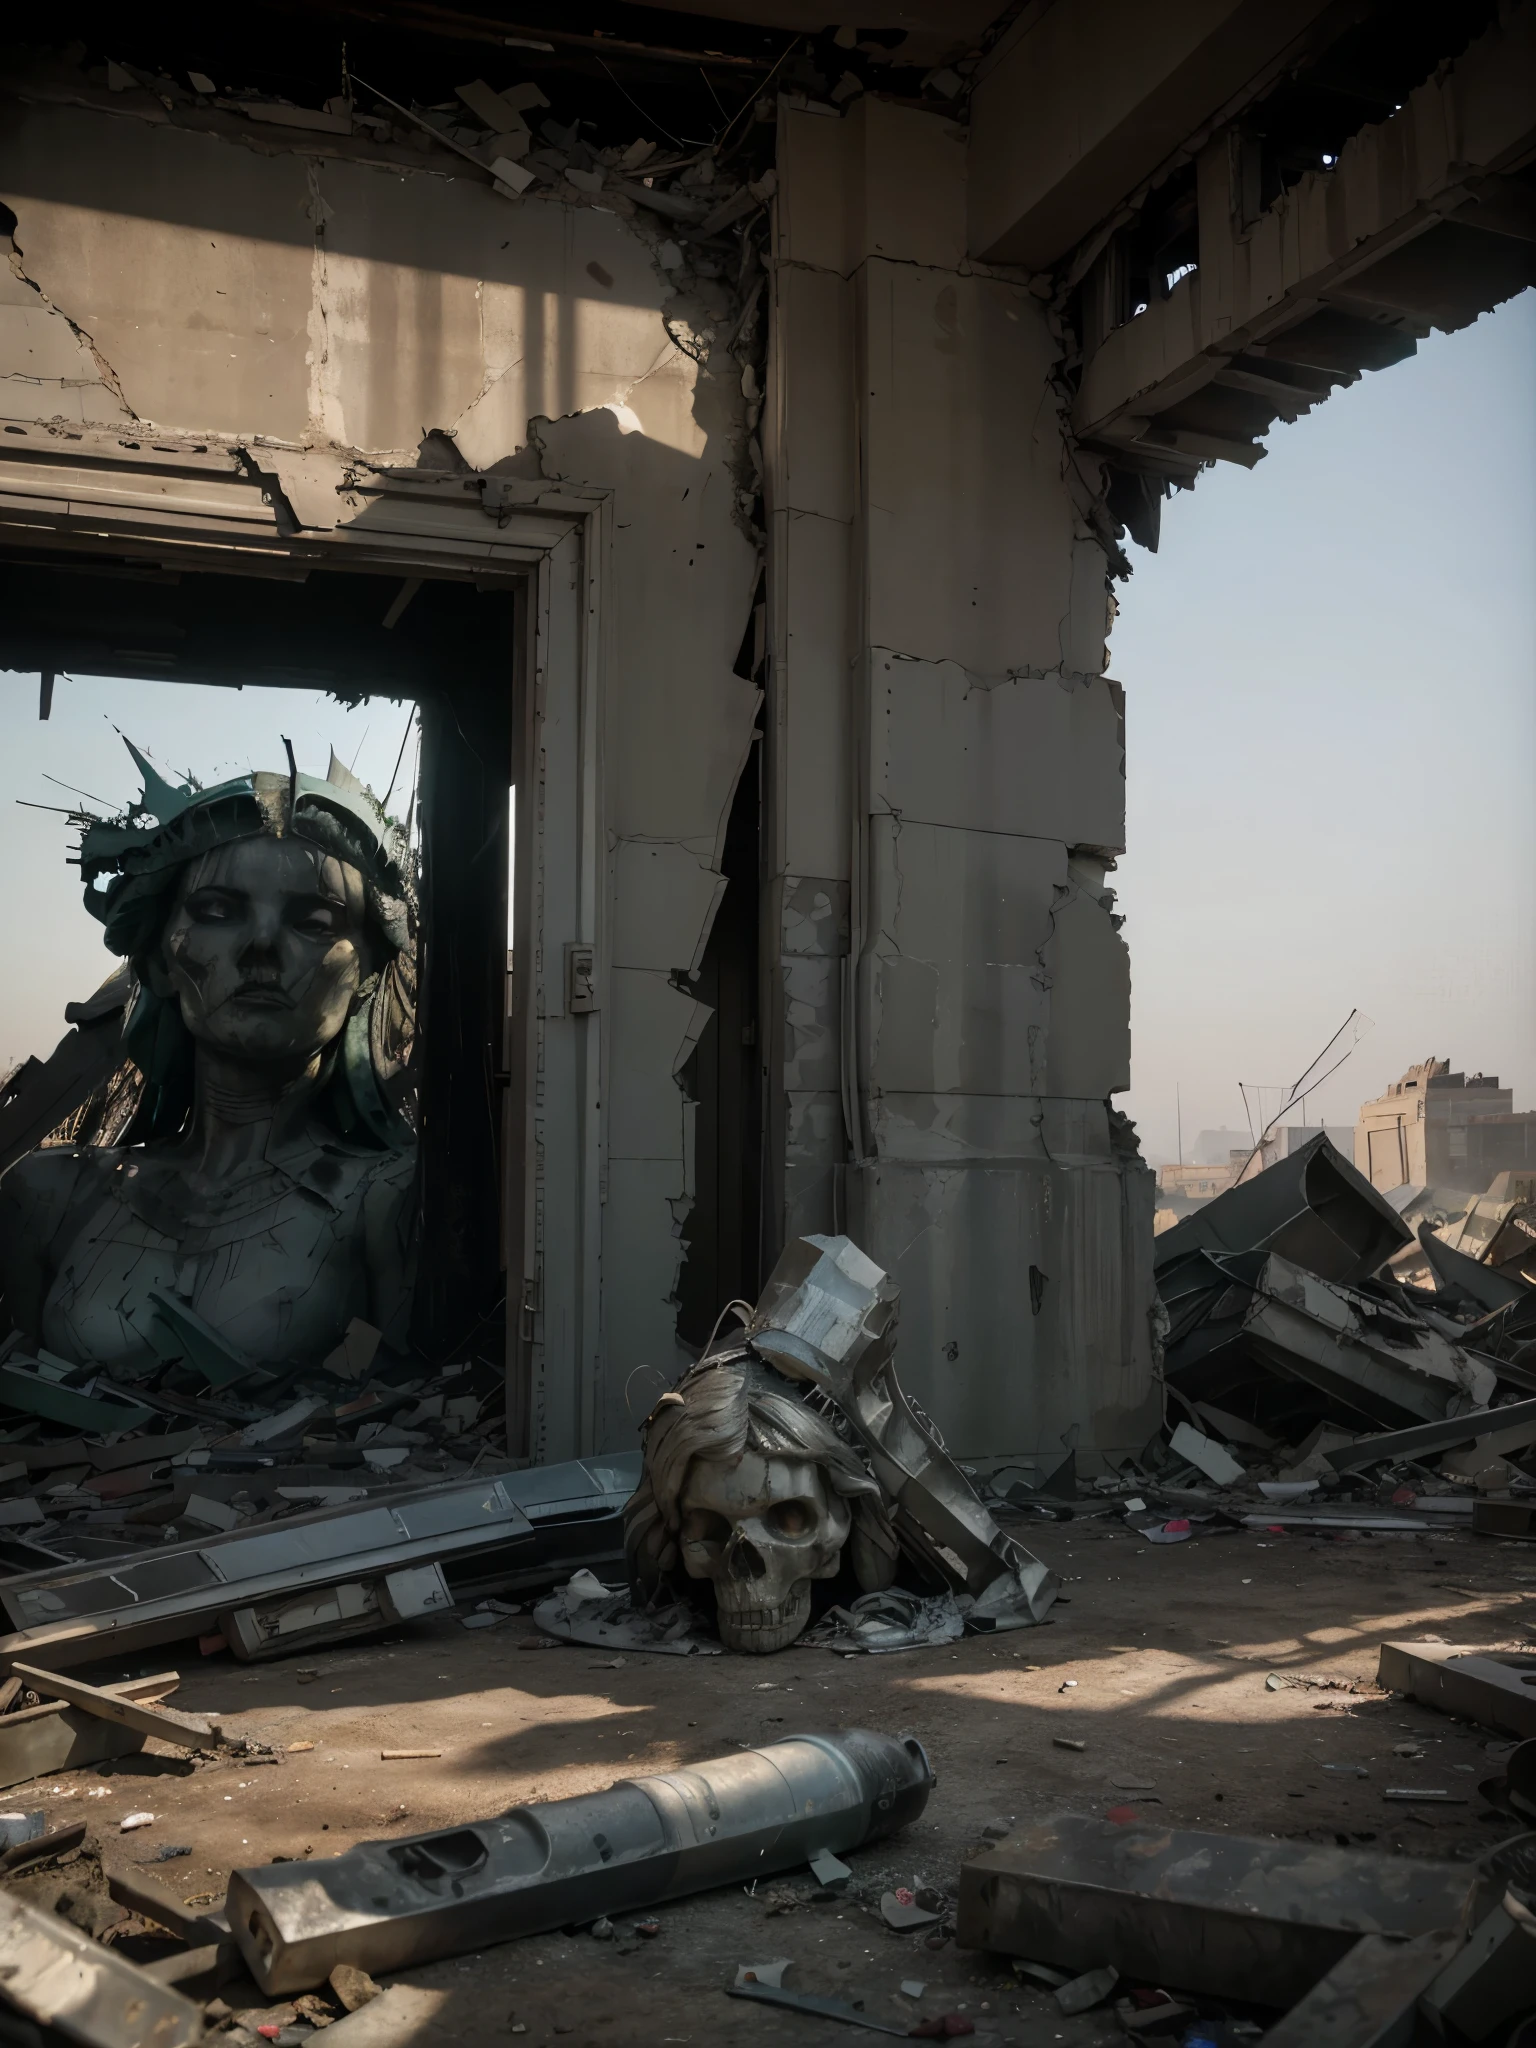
1215, 1913
1313, 1208
1235, 1318
1438, 1436
1459, 1274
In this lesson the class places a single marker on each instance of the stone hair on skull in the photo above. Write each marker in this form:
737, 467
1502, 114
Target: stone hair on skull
721, 1412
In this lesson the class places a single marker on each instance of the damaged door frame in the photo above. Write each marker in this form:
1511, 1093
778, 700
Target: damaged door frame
256, 508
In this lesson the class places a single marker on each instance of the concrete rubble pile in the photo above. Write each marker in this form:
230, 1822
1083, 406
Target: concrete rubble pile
336, 1501
1310, 1386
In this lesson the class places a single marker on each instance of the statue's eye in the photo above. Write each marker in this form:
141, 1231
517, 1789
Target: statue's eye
701, 1525
791, 1518
212, 906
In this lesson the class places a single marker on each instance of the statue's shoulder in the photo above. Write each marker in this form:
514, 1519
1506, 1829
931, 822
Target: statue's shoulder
38, 1192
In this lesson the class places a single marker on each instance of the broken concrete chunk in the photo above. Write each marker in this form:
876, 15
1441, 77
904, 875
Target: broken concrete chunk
352, 1986
903, 1918
213, 1514
763, 1973
1206, 1455
829, 1869
1080, 1994
357, 1349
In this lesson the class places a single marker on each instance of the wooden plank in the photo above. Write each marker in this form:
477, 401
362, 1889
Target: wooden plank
133, 1887
161, 1722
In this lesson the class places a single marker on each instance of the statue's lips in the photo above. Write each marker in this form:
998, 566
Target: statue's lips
260, 997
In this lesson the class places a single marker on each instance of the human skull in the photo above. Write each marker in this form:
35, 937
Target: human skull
762, 1529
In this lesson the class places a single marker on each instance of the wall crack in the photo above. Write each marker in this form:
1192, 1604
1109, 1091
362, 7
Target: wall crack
104, 369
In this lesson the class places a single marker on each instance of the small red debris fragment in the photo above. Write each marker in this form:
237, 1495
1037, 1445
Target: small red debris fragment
1120, 1815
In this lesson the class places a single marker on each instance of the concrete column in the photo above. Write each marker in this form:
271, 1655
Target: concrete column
948, 993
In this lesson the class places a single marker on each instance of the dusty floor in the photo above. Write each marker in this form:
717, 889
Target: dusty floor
1158, 1664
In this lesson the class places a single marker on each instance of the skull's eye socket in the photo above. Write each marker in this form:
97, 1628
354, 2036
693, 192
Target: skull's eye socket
791, 1518
702, 1525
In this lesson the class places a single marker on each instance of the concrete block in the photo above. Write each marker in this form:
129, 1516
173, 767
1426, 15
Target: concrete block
995, 1374
951, 1130
906, 188
1090, 1025
810, 210
957, 997
810, 449
664, 904
813, 916
811, 992
963, 472
1019, 754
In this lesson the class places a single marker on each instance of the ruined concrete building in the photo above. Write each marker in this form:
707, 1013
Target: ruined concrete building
1430, 1129
727, 427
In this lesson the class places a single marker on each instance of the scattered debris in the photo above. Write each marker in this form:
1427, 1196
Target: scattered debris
135, 1820
905, 1916
829, 1869
1067, 1742
878, 1623
1081, 1994
586, 1611
763, 1973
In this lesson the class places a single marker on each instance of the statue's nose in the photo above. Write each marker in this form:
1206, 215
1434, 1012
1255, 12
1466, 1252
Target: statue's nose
743, 1559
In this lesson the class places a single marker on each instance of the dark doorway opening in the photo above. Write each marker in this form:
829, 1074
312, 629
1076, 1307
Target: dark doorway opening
450, 644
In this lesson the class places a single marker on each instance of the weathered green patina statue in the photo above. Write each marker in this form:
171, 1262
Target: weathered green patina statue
261, 1197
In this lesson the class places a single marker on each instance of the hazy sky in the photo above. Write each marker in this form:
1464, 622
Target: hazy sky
1330, 671
1330, 675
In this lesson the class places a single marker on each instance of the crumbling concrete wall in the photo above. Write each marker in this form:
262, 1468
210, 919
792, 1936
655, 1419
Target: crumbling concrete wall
309, 307
948, 993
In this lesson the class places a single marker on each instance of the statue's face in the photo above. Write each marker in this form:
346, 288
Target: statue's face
266, 947
762, 1529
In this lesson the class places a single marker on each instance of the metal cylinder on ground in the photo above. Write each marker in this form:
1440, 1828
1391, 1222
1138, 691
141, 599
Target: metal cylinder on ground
385, 1905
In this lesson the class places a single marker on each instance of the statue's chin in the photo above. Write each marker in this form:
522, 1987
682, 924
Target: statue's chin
758, 1629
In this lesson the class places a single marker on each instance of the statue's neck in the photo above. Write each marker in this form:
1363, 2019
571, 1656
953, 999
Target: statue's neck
236, 1104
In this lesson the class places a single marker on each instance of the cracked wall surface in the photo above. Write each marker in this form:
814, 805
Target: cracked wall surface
310, 309
947, 778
